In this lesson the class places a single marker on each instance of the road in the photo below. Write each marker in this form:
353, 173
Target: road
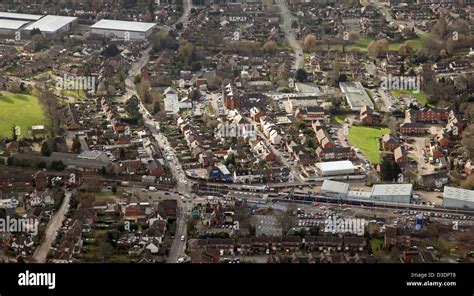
184, 184
51, 230
290, 34
187, 5
178, 245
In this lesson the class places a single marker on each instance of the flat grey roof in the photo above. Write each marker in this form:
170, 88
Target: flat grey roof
335, 165
335, 186
123, 25
458, 193
20, 16
392, 189
51, 23
12, 24
356, 94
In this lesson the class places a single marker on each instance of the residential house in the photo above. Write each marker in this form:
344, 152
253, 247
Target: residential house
390, 142
412, 128
400, 156
335, 153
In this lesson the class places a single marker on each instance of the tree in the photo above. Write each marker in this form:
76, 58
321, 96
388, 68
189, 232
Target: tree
35, 31
144, 91
114, 188
378, 48
301, 75
353, 36
270, 47
76, 145
191, 225
51, 109
194, 95
405, 49
132, 108
309, 43
468, 140
137, 79
389, 170
45, 149
57, 165
14, 135
111, 51
185, 52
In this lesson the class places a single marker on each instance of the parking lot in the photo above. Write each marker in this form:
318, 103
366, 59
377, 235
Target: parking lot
267, 225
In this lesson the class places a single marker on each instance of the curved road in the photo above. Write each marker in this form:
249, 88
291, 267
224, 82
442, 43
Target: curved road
290, 34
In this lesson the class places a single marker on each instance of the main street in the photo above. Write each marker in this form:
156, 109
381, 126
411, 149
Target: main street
184, 184
290, 34
52, 228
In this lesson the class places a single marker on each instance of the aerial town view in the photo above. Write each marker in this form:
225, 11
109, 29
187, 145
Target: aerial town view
240, 131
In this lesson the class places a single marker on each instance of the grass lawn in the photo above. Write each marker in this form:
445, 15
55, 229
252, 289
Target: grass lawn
420, 96
363, 42
376, 244
21, 110
209, 110
77, 94
370, 93
366, 139
107, 196
338, 119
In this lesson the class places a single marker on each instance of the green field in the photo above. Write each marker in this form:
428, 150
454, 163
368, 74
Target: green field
363, 42
76, 94
338, 119
366, 139
21, 110
420, 96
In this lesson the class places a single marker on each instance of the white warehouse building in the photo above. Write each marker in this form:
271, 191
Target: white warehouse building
395, 193
53, 25
458, 198
334, 188
10, 27
19, 16
336, 168
123, 29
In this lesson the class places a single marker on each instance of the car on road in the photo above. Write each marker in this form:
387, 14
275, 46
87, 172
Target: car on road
180, 260
183, 238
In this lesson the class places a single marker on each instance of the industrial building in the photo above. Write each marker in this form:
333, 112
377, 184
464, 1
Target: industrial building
19, 16
458, 198
123, 29
356, 95
335, 168
53, 25
334, 188
396, 193
10, 27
